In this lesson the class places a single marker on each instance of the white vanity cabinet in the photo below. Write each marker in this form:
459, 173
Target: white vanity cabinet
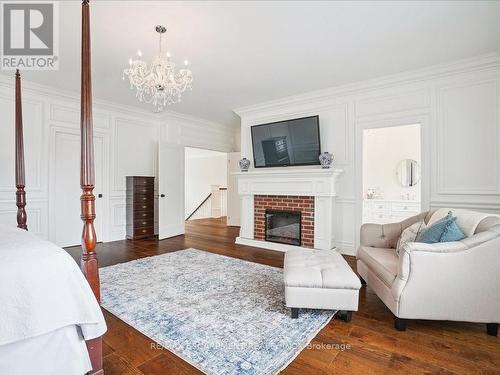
388, 211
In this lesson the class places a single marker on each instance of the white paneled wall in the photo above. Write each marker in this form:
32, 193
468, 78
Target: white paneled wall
128, 138
458, 107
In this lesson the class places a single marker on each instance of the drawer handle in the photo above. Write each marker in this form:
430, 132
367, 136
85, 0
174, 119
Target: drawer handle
380, 206
144, 222
144, 198
380, 216
144, 231
406, 207
144, 215
144, 206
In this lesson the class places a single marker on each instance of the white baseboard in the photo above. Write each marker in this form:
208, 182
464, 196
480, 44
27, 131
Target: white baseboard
268, 245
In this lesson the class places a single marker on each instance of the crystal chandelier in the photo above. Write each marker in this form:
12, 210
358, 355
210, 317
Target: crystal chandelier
158, 83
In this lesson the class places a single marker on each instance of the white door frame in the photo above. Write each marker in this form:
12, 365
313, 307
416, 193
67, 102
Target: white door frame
361, 125
233, 210
54, 130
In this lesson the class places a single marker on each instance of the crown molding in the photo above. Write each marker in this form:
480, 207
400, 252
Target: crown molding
478, 63
177, 116
45, 90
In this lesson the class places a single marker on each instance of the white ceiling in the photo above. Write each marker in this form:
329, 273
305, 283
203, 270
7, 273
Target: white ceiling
243, 53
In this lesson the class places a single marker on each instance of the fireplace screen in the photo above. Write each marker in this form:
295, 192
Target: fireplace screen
283, 227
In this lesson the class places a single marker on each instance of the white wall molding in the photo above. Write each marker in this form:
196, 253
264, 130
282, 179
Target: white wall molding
454, 127
186, 130
129, 137
474, 64
30, 87
34, 150
488, 141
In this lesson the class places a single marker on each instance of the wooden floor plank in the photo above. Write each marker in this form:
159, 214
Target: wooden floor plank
374, 346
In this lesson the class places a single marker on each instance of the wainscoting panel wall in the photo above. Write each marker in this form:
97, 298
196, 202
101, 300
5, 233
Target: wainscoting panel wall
127, 136
458, 105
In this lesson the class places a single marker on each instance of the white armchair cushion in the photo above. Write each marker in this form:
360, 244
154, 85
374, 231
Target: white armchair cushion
383, 262
410, 234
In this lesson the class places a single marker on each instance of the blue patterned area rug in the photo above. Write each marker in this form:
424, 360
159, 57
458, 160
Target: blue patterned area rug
220, 314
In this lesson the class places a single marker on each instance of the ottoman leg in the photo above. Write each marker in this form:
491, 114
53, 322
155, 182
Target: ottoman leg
399, 324
346, 316
295, 312
492, 329
363, 282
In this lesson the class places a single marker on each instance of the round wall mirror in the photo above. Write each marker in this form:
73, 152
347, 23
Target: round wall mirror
408, 172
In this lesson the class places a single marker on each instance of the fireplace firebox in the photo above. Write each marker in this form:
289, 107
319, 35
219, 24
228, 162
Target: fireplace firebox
283, 227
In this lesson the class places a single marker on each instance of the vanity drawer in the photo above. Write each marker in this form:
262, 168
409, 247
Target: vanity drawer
378, 207
378, 218
406, 207
381, 206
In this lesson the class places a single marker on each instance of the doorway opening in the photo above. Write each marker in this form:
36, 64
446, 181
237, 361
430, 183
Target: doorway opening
205, 184
392, 163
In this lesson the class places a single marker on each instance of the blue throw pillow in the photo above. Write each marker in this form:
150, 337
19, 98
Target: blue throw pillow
433, 233
452, 232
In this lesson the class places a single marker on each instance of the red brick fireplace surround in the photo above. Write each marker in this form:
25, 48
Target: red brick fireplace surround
285, 203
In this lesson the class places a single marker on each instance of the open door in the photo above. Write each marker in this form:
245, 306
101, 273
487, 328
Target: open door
170, 190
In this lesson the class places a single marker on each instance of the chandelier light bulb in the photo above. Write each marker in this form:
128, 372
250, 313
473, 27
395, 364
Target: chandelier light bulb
139, 53
130, 61
186, 63
168, 54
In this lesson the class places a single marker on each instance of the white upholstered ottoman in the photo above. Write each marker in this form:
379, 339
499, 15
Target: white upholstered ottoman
320, 279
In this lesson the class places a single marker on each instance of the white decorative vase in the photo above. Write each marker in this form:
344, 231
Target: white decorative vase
244, 164
326, 160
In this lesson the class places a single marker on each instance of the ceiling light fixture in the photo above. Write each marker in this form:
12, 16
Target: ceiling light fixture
158, 83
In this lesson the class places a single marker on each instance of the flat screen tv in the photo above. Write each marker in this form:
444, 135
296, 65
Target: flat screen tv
286, 143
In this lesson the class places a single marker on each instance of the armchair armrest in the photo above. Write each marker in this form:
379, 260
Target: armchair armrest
410, 249
450, 280
440, 247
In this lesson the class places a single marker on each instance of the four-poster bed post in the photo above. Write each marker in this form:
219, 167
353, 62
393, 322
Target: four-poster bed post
89, 263
20, 183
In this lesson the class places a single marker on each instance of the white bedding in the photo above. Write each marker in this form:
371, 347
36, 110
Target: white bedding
42, 290
62, 351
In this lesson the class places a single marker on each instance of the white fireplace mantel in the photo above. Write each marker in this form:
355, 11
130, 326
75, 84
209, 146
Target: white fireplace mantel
289, 181
316, 182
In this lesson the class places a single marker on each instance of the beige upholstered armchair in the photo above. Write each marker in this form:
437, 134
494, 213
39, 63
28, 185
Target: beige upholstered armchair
457, 281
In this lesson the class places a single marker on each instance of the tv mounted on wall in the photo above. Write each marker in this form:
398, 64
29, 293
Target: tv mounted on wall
286, 143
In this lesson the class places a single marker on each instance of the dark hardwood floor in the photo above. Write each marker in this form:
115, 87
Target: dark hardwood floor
370, 343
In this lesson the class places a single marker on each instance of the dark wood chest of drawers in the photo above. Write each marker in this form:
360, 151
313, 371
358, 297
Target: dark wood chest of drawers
140, 207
